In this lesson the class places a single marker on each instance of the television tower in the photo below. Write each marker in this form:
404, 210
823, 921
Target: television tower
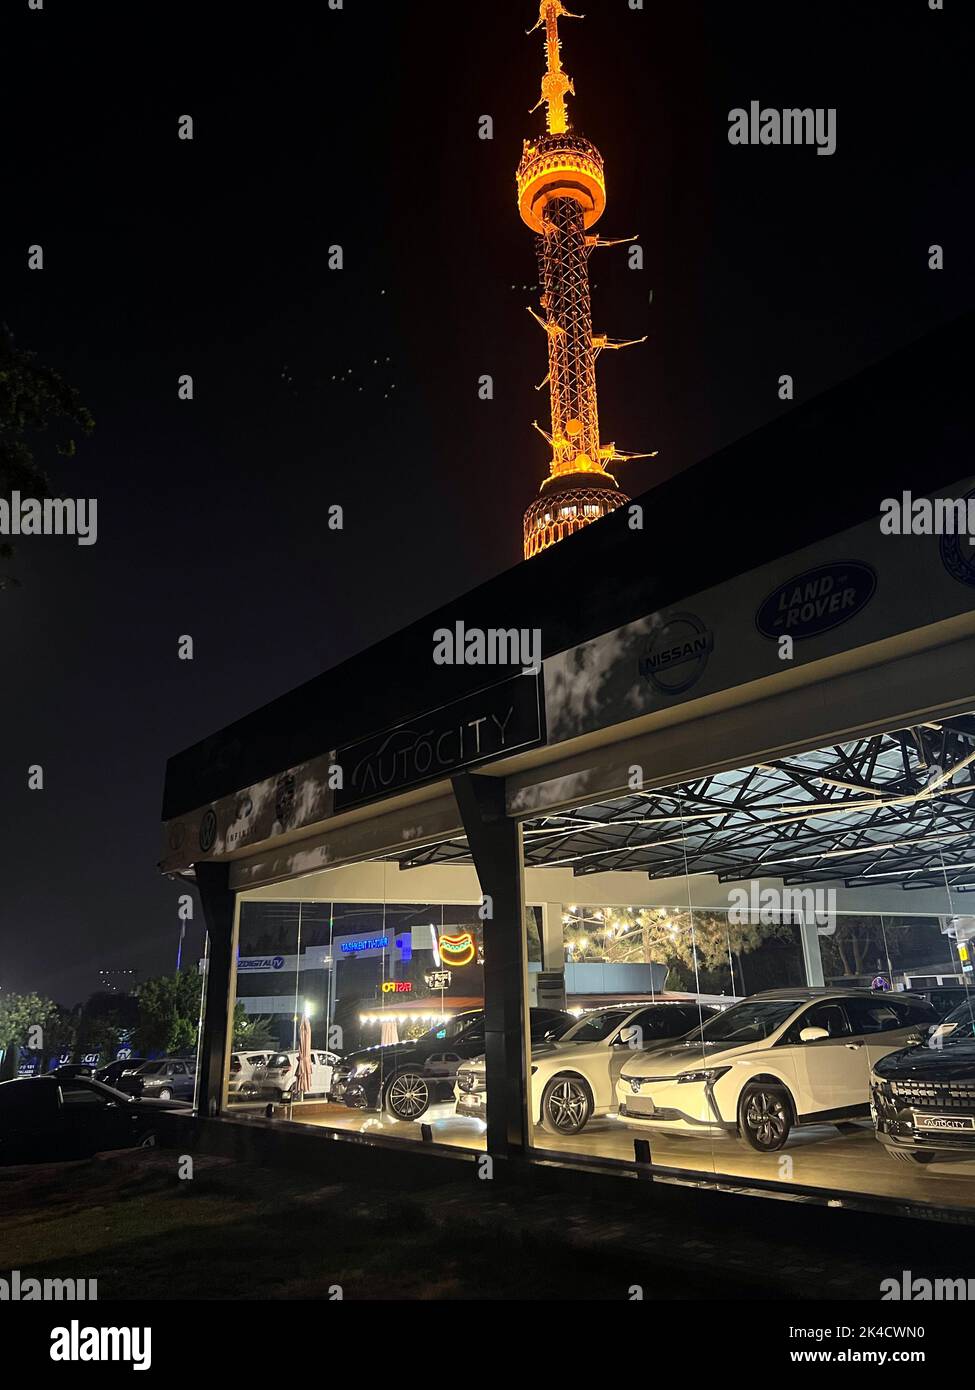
561, 196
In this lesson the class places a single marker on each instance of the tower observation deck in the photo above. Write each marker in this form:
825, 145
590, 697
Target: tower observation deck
561, 196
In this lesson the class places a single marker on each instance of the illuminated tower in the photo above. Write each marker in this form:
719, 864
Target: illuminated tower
561, 196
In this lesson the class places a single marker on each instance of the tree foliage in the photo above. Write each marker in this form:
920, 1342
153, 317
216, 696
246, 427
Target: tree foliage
33, 400
169, 1013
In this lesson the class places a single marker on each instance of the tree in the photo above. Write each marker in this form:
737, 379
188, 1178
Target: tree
169, 1013
20, 1014
690, 944
33, 398
253, 1032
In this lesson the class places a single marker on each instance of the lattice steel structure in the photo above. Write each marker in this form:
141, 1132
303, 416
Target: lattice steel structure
561, 195
893, 809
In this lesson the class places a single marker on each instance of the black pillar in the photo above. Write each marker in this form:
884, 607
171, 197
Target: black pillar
213, 881
495, 845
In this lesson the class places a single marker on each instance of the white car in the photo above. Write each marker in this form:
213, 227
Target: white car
775, 1060
277, 1076
574, 1078
243, 1065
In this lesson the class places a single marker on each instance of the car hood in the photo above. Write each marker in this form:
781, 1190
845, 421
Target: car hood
672, 1058
153, 1103
398, 1051
955, 1062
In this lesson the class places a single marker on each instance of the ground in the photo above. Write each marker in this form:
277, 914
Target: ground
237, 1230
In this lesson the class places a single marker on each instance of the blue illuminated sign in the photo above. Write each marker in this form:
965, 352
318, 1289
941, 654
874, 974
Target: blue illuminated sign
370, 943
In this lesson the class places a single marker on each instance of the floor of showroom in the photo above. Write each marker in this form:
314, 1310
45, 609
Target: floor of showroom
820, 1156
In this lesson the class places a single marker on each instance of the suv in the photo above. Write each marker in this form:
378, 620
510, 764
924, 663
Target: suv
405, 1079
923, 1098
277, 1074
240, 1075
771, 1062
574, 1077
171, 1078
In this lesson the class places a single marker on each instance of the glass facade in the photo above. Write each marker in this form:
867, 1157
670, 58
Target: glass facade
762, 976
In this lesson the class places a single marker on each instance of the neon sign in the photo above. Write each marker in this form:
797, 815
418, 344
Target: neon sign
370, 943
397, 987
460, 949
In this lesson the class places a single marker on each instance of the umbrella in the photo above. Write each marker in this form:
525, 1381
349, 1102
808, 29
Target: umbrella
303, 1069
389, 1033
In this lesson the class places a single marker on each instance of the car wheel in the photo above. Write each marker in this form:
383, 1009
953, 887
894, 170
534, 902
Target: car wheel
765, 1116
910, 1156
566, 1105
165, 1093
407, 1096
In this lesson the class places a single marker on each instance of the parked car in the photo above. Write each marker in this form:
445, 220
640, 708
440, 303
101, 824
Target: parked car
574, 1077
243, 1065
69, 1069
114, 1070
923, 1097
45, 1118
405, 1079
944, 999
169, 1078
771, 1062
278, 1074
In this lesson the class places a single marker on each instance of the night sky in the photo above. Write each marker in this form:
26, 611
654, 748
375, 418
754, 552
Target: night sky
359, 387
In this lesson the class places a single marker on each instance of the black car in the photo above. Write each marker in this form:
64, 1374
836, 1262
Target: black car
67, 1070
168, 1078
405, 1079
47, 1118
944, 999
111, 1073
923, 1097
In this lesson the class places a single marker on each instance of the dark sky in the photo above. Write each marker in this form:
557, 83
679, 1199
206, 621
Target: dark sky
359, 387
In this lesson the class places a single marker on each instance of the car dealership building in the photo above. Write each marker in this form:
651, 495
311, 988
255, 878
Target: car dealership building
746, 763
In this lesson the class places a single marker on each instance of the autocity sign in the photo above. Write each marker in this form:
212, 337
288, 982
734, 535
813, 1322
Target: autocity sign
489, 724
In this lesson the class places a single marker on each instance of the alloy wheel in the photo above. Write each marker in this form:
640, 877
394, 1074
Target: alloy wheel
568, 1105
767, 1118
408, 1096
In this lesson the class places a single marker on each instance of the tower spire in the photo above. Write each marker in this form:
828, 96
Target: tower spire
556, 84
561, 195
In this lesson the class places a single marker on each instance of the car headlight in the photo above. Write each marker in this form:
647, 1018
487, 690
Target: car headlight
705, 1075
365, 1069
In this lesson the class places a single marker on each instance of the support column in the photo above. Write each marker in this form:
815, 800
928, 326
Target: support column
553, 942
213, 882
812, 956
496, 847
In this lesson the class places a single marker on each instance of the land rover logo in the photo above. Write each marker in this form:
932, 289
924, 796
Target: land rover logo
817, 600
678, 654
958, 554
208, 831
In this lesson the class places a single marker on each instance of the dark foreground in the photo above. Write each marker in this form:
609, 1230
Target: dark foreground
239, 1230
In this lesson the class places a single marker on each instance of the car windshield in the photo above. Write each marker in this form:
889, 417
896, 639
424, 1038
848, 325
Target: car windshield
595, 1027
752, 1020
452, 1028
958, 1027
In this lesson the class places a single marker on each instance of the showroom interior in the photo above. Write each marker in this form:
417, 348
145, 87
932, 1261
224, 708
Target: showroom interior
509, 911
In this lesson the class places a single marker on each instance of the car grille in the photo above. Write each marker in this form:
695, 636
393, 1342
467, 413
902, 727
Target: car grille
932, 1095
